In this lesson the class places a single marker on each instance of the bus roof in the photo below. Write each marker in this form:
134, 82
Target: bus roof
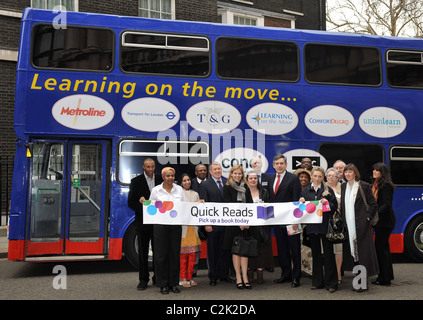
194, 27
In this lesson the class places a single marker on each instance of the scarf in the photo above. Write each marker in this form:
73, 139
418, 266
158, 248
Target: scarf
350, 194
240, 197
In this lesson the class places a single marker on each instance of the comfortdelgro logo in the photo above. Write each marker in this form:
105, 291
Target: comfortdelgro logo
329, 121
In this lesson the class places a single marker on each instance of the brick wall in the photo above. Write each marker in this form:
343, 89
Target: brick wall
196, 10
274, 22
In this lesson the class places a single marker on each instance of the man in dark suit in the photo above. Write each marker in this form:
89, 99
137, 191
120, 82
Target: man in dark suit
285, 187
139, 190
200, 176
211, 190
256, 165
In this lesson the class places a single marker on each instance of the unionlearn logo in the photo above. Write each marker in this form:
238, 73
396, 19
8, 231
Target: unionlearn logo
160, 206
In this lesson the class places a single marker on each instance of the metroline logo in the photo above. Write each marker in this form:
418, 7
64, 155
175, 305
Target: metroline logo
87, 113
82, 112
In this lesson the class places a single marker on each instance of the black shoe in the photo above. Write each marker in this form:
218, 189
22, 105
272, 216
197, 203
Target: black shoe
282, 279
175, 289
247, 286
164, 290
240, 285
295, 283
213, 282
142, 285
381, 283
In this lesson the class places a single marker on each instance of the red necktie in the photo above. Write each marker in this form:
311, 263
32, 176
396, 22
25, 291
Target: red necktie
277, 183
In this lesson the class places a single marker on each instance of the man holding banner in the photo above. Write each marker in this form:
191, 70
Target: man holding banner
285, 187
211, 190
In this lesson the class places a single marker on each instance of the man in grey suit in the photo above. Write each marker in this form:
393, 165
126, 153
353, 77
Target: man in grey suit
211, 190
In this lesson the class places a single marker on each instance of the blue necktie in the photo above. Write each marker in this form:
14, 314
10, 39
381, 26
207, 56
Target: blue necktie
219, 184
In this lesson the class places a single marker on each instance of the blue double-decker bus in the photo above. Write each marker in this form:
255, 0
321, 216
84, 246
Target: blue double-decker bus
97, 94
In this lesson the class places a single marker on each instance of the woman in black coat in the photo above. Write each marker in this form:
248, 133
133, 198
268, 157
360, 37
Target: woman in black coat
318, 190
360, 248
236, 190
383, 191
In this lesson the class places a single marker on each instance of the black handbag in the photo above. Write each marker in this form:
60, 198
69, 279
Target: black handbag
337, 229
244, 246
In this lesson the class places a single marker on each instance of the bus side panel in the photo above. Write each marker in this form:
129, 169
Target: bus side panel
17, 217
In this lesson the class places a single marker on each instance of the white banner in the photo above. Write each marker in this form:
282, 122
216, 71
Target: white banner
231, 214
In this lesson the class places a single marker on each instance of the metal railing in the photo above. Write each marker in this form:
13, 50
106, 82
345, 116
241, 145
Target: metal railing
6, 173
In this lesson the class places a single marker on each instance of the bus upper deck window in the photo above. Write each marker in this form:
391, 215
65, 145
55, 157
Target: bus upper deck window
78, 48
256, 59
182, 55
342, 64
405, 68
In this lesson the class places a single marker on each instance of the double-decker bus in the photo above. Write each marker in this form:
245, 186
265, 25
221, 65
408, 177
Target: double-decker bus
97, 94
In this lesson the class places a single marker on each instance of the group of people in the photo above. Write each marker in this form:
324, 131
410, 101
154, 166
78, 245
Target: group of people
176, 249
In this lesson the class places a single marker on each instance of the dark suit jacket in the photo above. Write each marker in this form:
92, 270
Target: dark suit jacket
210, 192
195, 185
264, 180
289, 188
385, 210
137, 189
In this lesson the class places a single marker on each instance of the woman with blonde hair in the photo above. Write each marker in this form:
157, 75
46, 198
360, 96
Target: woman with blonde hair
237, 190
324, 265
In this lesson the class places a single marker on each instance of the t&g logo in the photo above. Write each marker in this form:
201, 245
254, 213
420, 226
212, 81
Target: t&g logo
213, 117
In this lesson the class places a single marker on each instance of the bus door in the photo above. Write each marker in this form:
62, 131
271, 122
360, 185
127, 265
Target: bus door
69, 198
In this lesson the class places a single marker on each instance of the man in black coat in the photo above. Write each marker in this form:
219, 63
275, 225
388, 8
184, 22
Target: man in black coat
200, 176
285, 187
211, 190
139, 190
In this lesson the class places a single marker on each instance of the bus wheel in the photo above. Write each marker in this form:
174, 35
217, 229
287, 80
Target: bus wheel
414, 239
130, 245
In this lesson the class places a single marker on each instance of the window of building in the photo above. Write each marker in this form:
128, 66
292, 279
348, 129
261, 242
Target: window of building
404, 68
338, 64
227, 16
77, 48
245, 21
183, 156
253, 59
407, 165
159, 9
165, 54
70, 5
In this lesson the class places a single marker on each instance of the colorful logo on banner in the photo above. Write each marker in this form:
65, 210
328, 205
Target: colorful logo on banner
307, 208
160, 206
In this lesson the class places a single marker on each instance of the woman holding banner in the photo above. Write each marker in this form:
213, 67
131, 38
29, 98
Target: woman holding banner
318, 190
191, 243
167, 238
264, 257
236, 190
